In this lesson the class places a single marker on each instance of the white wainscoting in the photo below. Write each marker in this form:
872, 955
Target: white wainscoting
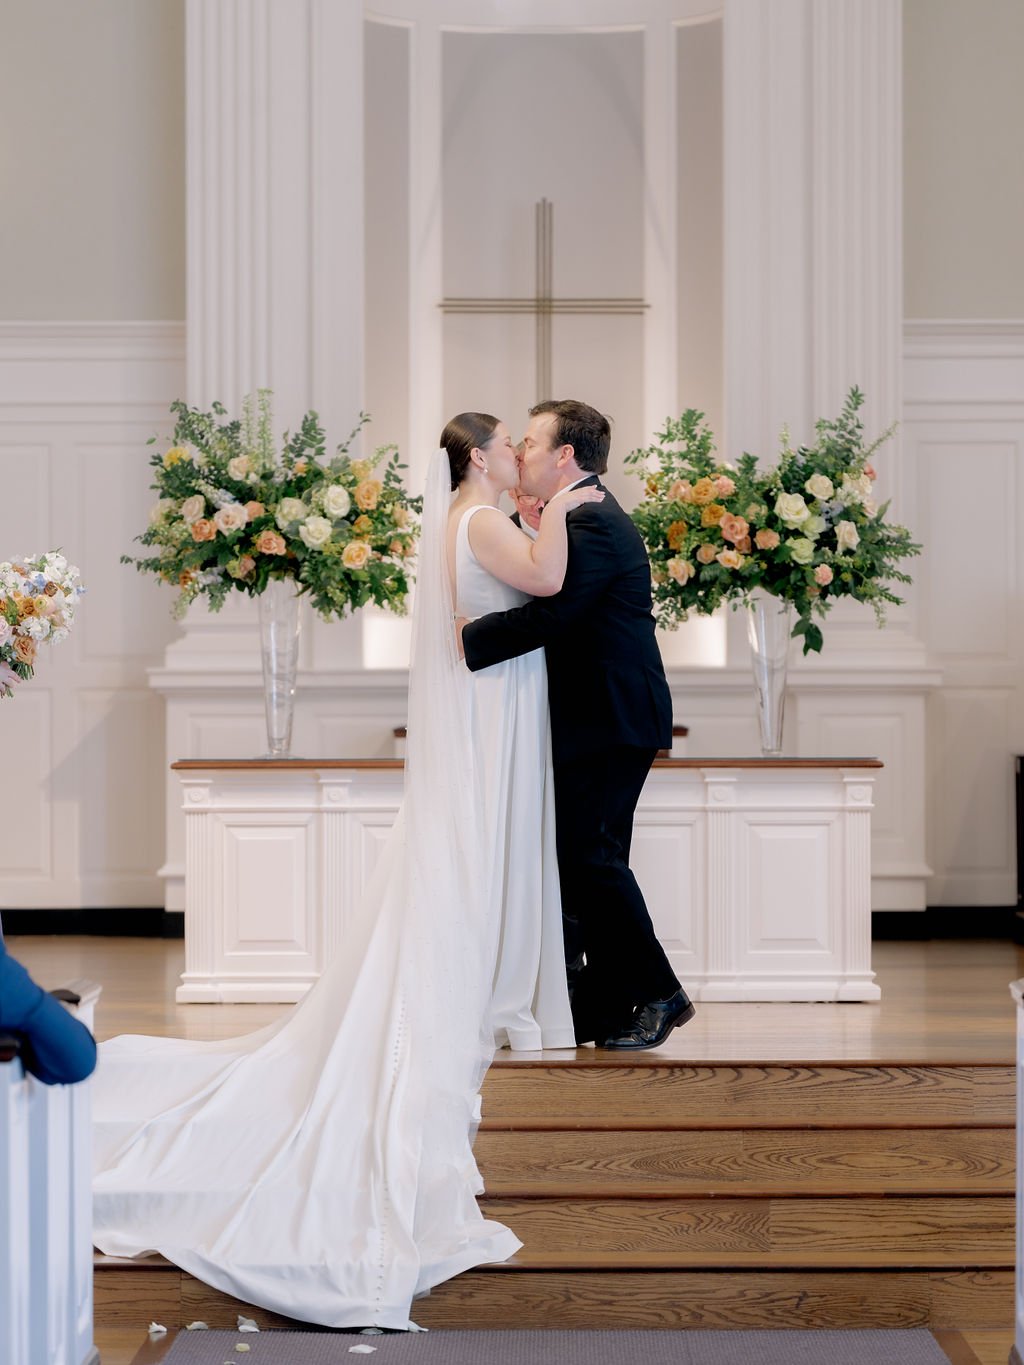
91, 737
963, 447
83, 744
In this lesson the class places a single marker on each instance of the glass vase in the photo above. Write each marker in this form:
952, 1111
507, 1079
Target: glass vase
769, 628
279, 647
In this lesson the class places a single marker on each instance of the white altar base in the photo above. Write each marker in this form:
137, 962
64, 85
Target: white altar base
757, 872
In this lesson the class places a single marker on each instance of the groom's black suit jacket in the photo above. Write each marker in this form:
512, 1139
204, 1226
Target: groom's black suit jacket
606, 681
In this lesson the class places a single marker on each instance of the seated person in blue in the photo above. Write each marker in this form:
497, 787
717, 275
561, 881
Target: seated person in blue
55, 1046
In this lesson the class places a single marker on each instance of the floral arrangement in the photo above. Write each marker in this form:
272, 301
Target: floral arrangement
807, 530
234, 512
38, 597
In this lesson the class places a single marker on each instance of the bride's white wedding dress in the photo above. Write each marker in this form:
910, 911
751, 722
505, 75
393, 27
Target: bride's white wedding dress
323, 1167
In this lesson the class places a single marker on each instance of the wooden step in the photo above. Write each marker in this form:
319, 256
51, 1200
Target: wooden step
582, 1234
504, 1297
678, 1096
522, 1163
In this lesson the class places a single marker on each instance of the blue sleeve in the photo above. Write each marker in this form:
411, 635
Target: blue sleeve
56, 1047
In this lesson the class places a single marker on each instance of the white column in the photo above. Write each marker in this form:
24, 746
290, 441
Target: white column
275, 204
813, 287
661, 245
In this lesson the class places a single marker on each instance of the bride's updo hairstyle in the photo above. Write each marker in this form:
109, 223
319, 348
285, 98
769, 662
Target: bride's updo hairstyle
464, 434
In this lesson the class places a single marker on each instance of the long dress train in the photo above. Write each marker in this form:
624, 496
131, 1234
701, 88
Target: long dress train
323, 1167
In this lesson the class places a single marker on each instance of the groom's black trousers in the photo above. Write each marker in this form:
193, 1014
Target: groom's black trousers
613, 958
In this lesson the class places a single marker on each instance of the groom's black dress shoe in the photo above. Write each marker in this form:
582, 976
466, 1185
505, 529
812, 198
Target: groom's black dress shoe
654, 1022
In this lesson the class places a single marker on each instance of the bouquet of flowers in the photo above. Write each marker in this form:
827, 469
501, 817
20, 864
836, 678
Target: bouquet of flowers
807, 530
38, 597
234, 512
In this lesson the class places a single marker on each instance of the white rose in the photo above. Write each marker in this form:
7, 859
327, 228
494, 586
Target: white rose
847, 535
239, 466
791, 509
337, 502
159, 510
193, 508
855, 490
820, 486
315, 532
291, 510
231, 518
5, 630
813, 527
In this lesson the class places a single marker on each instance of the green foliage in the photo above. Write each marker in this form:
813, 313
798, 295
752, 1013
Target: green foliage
234, 512
807, 530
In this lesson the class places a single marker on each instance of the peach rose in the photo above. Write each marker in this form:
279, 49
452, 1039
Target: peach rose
706, 554
24, 649
367, 493
703, 492
397, 547
724, 486
362, 526
766, 540
26, 606
680, 570
203, 529
733, 528
679, 491
729, 559
254, 510
743, 545
823, 575
712, 514
869, 470
241, 568
270, 543
355, 554
676, 534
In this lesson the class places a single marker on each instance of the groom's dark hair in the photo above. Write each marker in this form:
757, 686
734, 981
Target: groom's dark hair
582, 427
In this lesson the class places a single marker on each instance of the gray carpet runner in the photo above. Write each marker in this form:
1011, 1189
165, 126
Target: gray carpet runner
911, 1347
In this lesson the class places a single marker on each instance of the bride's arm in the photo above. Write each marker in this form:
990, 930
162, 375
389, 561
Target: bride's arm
536, 566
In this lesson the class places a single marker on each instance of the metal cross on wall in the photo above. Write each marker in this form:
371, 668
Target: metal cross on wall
543, 304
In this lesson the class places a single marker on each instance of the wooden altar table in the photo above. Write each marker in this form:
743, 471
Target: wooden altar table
757, 872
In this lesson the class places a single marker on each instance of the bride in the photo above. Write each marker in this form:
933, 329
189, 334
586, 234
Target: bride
322, 1167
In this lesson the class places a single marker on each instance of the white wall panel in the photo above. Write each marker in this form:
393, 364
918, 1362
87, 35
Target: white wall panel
24, 507
26, 830
963, 436
119, 738
78, 403
967, 615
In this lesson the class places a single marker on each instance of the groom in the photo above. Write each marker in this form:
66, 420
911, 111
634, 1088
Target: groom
610, 713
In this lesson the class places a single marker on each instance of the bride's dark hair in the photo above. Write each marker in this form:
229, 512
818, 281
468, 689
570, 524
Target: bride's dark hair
465, 433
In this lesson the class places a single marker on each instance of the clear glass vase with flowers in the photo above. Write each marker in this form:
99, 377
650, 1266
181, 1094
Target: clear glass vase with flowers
804, 532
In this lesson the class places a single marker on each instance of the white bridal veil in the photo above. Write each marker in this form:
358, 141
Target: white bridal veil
323, 1167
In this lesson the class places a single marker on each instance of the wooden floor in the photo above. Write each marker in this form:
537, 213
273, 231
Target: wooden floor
941, 1002
773, 1166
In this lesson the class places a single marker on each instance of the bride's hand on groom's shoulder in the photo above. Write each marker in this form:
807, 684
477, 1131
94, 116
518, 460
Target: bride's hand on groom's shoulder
460, 621
576, 497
